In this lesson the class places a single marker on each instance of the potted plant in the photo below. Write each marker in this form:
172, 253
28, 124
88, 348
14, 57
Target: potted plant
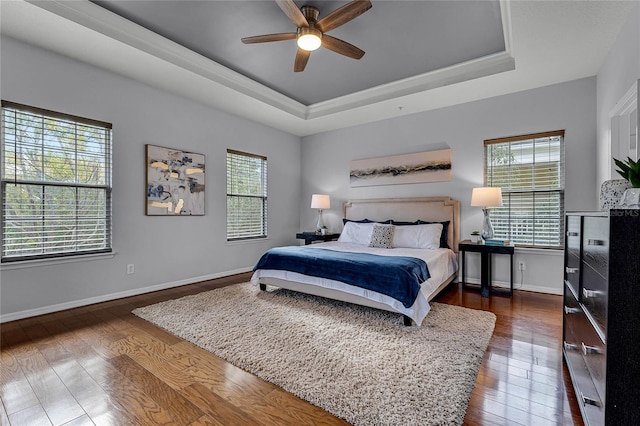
475, 236
630, 170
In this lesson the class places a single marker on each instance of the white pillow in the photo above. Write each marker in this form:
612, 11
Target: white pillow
356, 233
418, 236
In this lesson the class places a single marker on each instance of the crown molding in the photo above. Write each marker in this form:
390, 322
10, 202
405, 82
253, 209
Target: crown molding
109, 24
458, 73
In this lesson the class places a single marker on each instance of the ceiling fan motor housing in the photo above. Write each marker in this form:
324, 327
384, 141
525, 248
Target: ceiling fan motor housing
310, 13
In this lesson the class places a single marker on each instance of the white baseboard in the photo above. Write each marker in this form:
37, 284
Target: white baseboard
112, 296
517, 286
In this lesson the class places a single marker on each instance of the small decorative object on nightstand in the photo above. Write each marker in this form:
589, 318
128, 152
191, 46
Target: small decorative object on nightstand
310, 237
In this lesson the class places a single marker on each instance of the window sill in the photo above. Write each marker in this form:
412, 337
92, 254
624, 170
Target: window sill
247, 241
544, 251
56, 261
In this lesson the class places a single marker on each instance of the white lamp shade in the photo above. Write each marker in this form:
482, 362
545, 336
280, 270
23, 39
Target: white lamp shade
320, 201
486, 197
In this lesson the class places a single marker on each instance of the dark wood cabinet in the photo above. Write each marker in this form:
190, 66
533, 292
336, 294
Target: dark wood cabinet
601, 326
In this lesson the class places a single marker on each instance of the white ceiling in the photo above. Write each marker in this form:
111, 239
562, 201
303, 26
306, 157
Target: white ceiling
503, 48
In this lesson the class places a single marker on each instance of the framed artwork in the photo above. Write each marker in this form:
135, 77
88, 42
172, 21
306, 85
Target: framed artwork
420, 167
175, 182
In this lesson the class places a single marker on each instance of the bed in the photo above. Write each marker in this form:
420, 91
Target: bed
406, 217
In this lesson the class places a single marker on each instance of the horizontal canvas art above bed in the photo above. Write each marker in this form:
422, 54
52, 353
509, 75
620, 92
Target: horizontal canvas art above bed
175, 182
419, 167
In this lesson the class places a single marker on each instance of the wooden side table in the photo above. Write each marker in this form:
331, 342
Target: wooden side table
485, 265
309, 238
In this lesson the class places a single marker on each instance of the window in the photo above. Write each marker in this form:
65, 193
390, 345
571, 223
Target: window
56, 184
246, 196
530, 171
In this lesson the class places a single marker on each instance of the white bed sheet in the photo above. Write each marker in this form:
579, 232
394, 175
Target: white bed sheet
442, 263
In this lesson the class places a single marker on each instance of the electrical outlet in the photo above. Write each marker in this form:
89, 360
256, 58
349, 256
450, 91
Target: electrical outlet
521, 265
131, 269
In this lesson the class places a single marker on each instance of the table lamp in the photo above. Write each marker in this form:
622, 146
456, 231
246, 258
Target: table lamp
486, 197
320, 202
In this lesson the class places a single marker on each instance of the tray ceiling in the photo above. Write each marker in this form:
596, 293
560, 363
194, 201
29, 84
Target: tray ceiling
420, 55
401, 39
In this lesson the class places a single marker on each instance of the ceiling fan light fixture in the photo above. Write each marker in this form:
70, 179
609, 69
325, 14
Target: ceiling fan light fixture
309, 38
310, 34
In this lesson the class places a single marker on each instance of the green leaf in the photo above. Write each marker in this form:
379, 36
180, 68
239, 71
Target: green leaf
629, 170
624, 169
620, 164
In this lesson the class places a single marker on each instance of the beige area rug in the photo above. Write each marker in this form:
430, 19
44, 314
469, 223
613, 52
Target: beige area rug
358, 363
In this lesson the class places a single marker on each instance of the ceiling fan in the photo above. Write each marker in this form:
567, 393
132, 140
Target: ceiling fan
311, 33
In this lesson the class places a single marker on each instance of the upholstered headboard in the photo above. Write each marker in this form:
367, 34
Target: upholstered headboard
431, 209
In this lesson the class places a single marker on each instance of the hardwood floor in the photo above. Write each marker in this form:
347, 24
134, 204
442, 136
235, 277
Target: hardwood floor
102, 365
522, 379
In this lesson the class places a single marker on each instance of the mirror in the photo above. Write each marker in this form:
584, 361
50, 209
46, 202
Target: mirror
624, 127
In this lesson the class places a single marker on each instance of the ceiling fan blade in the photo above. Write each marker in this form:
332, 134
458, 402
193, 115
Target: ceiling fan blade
341, 47
269, 37
293, 12
343, 15
302, 57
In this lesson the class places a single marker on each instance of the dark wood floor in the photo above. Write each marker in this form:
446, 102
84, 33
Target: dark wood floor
102, 365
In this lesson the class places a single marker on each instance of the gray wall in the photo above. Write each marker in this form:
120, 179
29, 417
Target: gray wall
166, 251
570, 106
620, 69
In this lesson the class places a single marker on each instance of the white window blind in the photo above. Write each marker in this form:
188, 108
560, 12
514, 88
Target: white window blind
246, 196
530, 171
56, 184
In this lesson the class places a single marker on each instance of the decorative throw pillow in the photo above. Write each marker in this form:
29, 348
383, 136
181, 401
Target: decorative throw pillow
382, 236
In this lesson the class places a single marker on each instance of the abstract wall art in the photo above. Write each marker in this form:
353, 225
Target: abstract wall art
420, 167
175, 182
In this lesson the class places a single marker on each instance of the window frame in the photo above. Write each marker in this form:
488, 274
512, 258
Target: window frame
263, 197
560, 189
107, 144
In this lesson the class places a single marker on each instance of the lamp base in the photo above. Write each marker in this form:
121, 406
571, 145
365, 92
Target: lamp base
487, 228
320, 223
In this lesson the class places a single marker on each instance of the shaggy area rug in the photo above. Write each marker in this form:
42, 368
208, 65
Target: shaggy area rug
358, 363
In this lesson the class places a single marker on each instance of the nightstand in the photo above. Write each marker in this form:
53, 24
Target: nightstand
485, 265
309, 238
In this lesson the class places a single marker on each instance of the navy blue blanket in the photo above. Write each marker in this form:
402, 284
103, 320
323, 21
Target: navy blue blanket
396, 276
